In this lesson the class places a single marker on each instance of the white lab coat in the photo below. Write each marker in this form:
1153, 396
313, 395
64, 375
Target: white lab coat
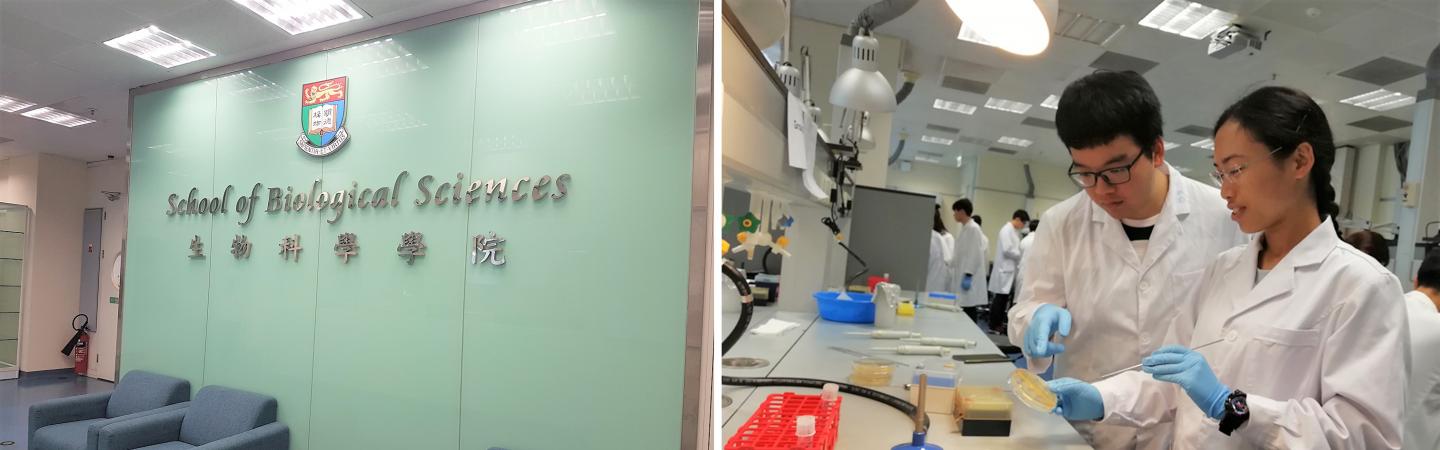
970, 248
1422, 414
942, 251
1319, 347
1121, 305
1025, 244
1007, 260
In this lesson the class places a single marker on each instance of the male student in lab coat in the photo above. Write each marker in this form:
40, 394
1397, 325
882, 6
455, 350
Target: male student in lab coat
968, 278
1296, 340
1025, 244
1422, 418
1111, 264
1007, 263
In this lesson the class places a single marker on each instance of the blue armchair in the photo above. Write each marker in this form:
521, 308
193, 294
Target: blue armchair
73, 423
219, 418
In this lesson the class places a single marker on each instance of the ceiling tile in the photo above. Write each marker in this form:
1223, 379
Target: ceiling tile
44, 83
1379, 30
110, 66
1326, 13
154, 10
36, 39
1382, 71
100, 22
1380, 123
222, 27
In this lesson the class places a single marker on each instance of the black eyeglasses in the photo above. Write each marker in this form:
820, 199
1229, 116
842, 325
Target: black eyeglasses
1112, 176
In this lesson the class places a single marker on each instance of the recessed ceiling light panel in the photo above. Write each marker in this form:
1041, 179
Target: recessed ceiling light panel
155, 45
12, 104
1185, 18
1007, 105
299, 16
936, 140
954, 106
57, 117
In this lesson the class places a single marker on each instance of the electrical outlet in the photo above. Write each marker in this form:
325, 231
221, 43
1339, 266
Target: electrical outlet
1410, 194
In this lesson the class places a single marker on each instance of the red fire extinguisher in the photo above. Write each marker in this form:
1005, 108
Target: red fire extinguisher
79, 345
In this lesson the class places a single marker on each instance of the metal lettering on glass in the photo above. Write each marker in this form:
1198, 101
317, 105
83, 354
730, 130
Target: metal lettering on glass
412, 244
332, 201
487, 248
240, 247
197, 248
290, 246
346, 247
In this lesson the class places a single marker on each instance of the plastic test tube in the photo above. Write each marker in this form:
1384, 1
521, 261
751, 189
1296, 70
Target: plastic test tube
916, 350
943, 342
886, 334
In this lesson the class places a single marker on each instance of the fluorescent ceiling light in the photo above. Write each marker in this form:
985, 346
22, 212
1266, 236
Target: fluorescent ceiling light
12, 104
954, 106
936, 140
57, 117
928, 160
1380, 100
1204, 143
299, 16
1016, 26
155, 45
1189, 19
1170, 145
1052, 102
1015, 141
1007, 105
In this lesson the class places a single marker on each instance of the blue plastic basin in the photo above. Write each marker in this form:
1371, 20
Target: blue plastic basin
858, 309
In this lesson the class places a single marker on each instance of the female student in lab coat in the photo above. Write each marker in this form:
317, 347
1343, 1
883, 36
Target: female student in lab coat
942, 251
1311, 331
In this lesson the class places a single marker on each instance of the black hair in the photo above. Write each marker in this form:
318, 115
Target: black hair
1021, 214
1429, 275
1105, 105
963, 205
939, 224
1035, 225
1371, 243
976, 218
1282, 118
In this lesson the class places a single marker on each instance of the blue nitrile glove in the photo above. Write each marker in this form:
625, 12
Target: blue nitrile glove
1078, 400
1187, 368
965, 283
1047, 320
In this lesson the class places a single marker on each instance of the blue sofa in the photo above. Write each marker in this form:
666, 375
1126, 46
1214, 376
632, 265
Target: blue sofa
73, 423
219, 418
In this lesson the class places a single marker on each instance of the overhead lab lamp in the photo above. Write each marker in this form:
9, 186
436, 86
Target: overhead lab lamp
1016, 26
765, 20
862, 87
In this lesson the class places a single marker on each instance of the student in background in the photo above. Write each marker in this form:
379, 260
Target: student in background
942, 251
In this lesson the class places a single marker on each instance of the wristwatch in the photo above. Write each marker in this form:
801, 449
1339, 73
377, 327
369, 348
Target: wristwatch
1236, 412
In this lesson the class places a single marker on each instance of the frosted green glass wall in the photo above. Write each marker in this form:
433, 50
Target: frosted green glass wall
576, 342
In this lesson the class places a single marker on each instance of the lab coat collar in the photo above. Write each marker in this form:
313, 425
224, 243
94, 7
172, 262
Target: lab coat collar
1167, 229
1176, 200
1309, 252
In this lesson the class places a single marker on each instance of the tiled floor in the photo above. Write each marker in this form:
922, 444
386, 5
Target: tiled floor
17, 395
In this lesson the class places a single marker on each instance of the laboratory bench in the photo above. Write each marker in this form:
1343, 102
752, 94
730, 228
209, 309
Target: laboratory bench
806, 351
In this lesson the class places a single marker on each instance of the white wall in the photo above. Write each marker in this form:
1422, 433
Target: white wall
53, 188
1000, 190
108, 176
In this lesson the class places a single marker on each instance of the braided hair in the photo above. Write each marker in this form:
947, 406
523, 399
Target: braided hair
1282, 118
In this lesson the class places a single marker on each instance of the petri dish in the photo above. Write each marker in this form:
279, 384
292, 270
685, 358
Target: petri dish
872, 372
1032, 391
